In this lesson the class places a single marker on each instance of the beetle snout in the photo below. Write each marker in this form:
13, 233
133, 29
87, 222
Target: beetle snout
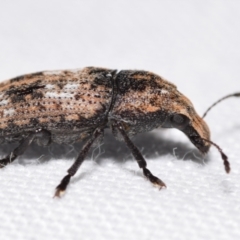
198, 132
193, 126
200, 144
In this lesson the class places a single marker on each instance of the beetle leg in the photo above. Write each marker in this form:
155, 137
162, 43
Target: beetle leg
138, 156
60, 189
44, 135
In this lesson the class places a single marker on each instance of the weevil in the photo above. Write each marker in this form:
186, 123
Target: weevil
78, 105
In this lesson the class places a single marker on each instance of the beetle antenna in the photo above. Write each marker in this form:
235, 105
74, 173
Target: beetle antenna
221, 99
223, 155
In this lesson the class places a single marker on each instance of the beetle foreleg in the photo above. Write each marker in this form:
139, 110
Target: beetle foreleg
40, 134
138, 156
60, 189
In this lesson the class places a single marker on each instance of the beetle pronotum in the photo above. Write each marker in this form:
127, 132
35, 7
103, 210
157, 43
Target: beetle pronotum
75, 105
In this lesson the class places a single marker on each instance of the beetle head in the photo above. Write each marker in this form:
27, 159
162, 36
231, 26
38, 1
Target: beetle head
194, 127
184, 117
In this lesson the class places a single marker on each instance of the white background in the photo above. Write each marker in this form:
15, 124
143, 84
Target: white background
194, 44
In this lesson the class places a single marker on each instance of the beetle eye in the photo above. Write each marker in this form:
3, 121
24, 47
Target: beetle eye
179, 120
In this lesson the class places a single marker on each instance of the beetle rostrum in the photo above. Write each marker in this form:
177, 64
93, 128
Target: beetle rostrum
78, 105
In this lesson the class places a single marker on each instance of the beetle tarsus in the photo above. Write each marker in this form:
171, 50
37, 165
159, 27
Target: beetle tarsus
156, 181
42, 135
5, 161
60, 189
17, 151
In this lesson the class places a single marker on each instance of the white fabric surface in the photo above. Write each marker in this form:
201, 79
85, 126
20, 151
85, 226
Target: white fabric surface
194, 44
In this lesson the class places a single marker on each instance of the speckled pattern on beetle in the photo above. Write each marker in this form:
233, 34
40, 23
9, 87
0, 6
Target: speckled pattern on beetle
74, 105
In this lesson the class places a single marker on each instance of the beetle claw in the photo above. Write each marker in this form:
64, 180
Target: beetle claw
160, 184
58, 193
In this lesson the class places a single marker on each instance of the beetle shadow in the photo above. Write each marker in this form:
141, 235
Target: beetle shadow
150, 144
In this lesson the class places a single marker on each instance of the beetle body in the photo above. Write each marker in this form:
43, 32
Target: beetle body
72, 105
